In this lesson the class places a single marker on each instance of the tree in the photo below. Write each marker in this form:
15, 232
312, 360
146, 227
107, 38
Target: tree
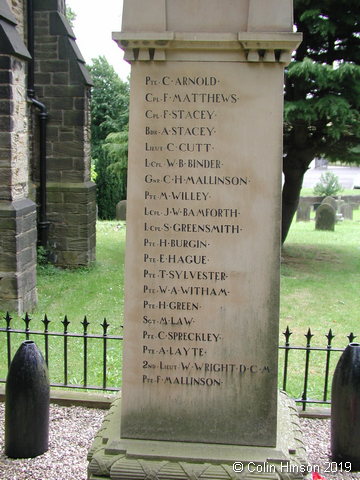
322, 93
116, 149
70, 15
109, 115
112, 173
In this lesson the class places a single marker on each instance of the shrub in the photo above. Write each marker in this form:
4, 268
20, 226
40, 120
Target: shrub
328, 185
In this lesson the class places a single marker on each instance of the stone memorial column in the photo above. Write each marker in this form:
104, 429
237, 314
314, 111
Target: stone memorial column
203, 235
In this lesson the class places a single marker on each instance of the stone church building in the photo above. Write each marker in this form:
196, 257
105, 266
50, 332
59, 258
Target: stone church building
46, 196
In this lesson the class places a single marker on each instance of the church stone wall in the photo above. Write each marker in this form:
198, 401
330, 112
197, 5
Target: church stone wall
17, 212
62, 83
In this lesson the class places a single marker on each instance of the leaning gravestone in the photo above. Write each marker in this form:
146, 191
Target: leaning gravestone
325, 217
203, 243
120, 213
303, 211
347, 211
331, 201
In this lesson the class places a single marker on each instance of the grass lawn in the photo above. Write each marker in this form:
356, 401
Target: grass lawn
96, 292
320, 278
309, 192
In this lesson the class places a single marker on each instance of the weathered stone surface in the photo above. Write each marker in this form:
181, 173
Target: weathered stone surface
121, 210
115, 458
5, 61
203, 219
67, 157
303, 211
325, 217
18, 255
6, 107
60, 91
74, 259
331, 201
62, 103
347, 211
46, 5
72, 212
74, 117
17, 212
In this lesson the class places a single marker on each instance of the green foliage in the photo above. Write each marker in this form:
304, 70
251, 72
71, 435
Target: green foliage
42, 255
322, 98
328, 185
109, 104
322, 94
115, 151
110, 187
70, 15
93, 174
109, 116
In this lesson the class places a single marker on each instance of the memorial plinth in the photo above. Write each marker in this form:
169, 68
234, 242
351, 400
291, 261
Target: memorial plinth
203, 233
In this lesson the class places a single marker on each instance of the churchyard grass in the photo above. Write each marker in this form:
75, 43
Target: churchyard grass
96, 292
320, 277
309, 192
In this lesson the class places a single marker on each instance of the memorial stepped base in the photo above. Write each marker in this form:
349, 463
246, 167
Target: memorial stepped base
112, 457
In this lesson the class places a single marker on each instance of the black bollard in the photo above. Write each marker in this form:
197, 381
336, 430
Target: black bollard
345, 409
27, 404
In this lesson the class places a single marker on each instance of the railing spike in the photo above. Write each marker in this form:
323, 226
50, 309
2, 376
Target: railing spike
46, 322
351, 337
309, 336
27, 320
85, 325
287, 334
66, 323
105, 325
330, 336
8, 319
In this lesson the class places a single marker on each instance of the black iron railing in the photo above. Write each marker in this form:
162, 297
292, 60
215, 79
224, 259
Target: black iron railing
295, 369
301, 367
83, 338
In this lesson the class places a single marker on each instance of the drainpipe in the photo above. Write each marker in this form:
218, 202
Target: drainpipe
43, 224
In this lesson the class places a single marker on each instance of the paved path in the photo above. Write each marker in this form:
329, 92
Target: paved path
346, 176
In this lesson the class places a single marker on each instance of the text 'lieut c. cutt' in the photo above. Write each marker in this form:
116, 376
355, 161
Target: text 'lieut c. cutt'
179, 181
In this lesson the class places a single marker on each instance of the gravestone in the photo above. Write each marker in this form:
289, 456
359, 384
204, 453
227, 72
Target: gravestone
325, 217
303, 211
347, 211
203, 242
331, 201
120, 213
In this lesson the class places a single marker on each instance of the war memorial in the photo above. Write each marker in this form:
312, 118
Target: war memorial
200, 396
